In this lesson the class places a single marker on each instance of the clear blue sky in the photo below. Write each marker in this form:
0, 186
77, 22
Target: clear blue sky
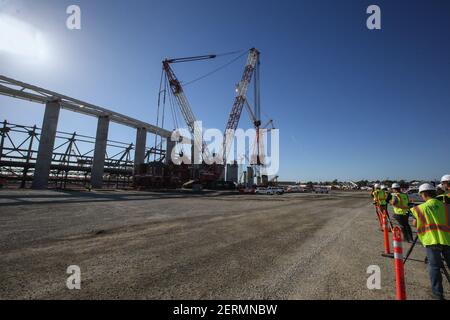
350, 103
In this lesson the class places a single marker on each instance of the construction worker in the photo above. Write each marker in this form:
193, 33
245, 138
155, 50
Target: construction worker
440, 189
444, 189
374, 193
381, 198
375, 188
433, 229
399, 201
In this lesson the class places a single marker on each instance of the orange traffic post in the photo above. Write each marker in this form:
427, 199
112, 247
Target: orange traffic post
387, 247
399, 267
377, 209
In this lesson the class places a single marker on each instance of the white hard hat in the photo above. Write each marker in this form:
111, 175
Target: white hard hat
395, 186
377, 185
383, 187
446, 178
426, 187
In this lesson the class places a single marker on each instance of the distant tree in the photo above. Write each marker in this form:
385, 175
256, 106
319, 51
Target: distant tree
362, 183
403, 184
335, 181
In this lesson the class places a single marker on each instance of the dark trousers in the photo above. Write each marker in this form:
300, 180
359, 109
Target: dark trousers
435, 263
402, 220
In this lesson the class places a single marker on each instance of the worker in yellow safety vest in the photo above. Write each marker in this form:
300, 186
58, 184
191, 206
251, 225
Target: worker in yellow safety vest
375, 189
399, 202
444, 194
433, 228
382, 197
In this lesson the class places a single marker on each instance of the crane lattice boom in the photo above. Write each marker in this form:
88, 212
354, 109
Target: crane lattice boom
240, 100
186, 110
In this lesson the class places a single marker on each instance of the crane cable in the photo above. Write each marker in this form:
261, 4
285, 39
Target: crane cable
217, 69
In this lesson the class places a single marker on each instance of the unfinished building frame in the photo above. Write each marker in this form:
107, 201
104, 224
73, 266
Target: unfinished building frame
48, 163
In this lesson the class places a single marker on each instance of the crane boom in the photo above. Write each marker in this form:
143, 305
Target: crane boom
177, 91
240, 99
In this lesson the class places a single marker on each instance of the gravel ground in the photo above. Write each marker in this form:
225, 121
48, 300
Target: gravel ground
146, 245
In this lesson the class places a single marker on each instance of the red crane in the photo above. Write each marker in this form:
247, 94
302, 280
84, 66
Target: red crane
251, 68
177, 91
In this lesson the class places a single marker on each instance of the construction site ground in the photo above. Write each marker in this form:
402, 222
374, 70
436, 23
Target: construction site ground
216, 245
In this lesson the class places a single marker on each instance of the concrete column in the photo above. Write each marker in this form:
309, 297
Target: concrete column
46, 145
169, 147
139, 152
250, 177
232, 172
99, 152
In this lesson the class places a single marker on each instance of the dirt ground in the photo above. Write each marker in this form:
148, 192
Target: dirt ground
147, 245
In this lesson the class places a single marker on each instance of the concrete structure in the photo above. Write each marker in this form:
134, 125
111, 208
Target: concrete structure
139, 152
170, 145
101, 140
46, 145
232, 172
17, 89
54, 102
250, 177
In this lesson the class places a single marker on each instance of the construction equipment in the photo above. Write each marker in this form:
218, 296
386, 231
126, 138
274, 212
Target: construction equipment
208, 174
410, 249
251, 68
177, 91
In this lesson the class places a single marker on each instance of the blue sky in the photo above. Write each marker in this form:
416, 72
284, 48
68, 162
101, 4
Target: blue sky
350, 103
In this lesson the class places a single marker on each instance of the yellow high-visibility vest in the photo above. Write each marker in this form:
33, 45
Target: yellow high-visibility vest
445, 198
381, 197
433, 225
400, 203
373, 194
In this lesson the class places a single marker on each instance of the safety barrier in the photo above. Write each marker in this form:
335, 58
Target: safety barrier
398, 262
379, 215
386, 226
387, 248
398, 251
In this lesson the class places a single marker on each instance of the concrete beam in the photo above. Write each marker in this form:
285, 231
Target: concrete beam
99, 152
139, 152
46, 145
18, 89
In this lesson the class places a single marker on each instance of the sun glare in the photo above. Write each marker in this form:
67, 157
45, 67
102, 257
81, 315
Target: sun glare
22, 40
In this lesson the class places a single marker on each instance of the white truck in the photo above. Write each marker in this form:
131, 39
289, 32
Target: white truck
321, 190
269, 190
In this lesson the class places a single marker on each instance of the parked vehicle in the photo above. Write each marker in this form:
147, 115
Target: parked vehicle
276, 190
261, 190
321, 190
295, 189
269, 190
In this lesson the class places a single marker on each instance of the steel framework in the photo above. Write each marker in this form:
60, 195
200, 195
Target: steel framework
71, 160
